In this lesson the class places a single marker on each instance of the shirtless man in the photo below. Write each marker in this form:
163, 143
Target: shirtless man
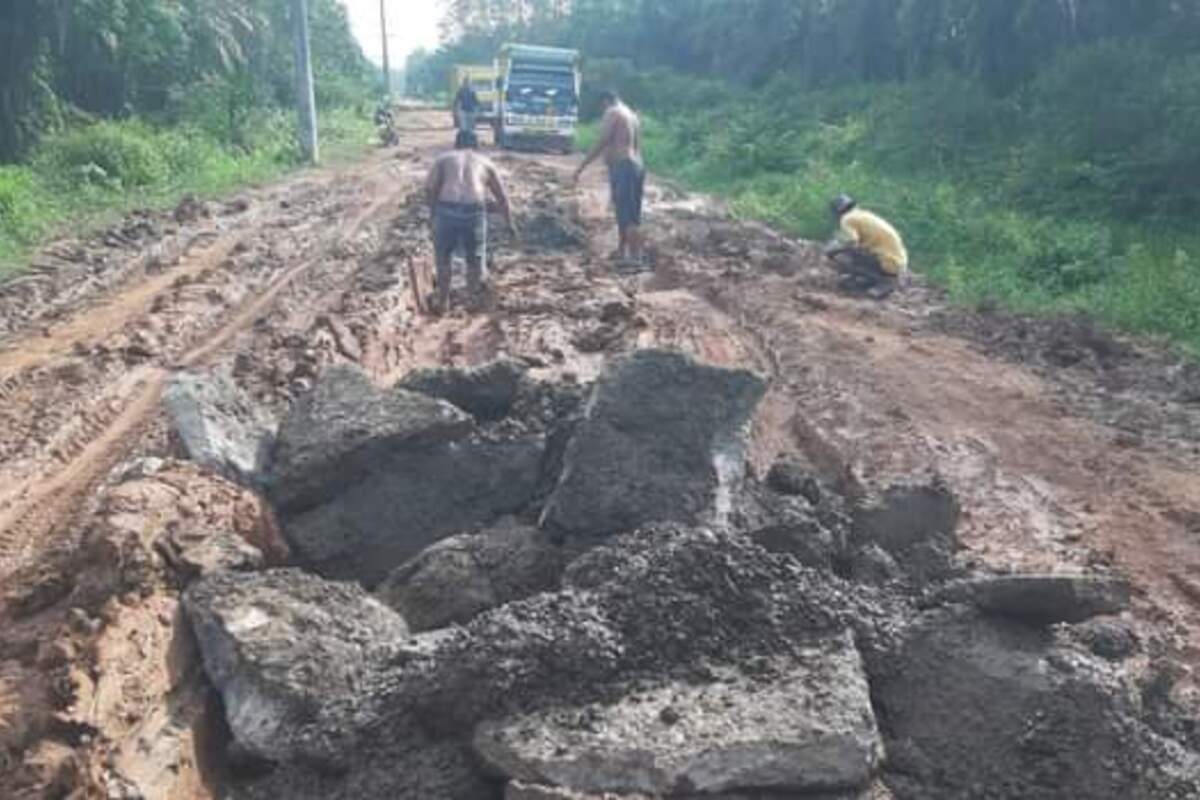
457, 192
621, 145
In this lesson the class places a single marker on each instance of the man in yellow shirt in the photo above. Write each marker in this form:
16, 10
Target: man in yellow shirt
868, 252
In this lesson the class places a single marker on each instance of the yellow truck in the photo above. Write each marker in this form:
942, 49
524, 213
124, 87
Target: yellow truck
483, 81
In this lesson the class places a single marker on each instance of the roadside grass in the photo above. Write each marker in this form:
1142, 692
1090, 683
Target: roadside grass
967, 234
87, 177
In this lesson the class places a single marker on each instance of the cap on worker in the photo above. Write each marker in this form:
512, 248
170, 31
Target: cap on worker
842, 204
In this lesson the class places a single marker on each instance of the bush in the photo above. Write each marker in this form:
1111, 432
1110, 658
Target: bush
222, 106
943, 122
111, 166
335, 91
125, 152
18, 204
1060, 258
1114, 128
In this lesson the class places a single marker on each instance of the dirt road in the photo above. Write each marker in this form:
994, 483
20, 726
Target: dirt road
1069, 450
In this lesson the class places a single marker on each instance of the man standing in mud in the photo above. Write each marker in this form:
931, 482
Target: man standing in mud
466, 106
457, 192
868, 251
621, 145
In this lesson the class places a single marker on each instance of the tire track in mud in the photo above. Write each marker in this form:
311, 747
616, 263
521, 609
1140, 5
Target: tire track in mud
43, 494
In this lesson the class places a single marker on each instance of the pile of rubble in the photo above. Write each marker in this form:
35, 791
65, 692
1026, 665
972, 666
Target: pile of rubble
504, 588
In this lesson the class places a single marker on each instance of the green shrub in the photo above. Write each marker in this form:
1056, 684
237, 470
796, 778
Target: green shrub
1061, 258
942, 122
126, 153
222, 106
337, 91
18, 203
1113, 128
344, 132
111, 166
14, 192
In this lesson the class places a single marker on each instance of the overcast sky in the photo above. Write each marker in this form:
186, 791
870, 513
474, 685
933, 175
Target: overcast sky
411, 24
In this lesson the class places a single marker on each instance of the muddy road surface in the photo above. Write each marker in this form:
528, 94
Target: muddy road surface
1069, 449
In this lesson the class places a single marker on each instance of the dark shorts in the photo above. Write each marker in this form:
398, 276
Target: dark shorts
862, 269
627, 179
456, 224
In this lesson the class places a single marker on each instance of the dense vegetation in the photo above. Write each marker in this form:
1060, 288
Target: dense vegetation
1039, 152
110, 103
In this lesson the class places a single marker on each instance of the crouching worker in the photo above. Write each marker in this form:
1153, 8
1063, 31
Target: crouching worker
868, 251
457, 191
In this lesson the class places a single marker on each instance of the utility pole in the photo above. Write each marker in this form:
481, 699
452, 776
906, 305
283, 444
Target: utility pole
387, 69
306, 103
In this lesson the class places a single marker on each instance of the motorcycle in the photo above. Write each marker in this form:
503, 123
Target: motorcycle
388, 135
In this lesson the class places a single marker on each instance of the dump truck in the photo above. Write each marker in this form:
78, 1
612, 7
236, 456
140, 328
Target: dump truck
539, 97
483, 81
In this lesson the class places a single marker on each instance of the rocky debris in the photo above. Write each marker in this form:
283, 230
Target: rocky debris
795, 726
292, 656
143, 520
219, 426
198, 553
307, 667
666, 603
792, 477
977, 706
662, 439
915, 524
669, 629
654, 668
407, 499
487, 392
871, 564
415, 769
1073, 341
191, 209
48, 769
786, 524
367, 478
460, 577
1111, 639
517, 790
333, 435
1043, 599
791, 513
548, 229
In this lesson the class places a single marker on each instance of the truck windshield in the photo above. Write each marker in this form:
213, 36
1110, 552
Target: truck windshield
558, 86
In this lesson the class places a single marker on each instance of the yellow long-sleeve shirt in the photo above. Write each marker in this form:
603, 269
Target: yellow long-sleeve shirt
877, 235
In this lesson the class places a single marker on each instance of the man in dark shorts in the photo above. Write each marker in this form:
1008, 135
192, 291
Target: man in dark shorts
457, 191
466, 106
621, 145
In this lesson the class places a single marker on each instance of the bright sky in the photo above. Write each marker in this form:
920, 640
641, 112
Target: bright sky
411, 24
